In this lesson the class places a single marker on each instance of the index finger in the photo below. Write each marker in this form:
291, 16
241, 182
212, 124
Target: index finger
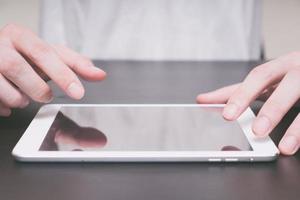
254, 84
44, 57
217, 96
80, 64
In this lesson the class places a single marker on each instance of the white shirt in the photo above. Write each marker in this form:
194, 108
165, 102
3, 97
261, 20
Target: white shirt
156, 29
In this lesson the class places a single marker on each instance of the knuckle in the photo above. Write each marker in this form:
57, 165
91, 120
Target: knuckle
10, 28
11, 66
84, 61
80, 61
262, 73
296, 134
274, 110
15, 101
294, 54
39, 52
239, 98
59, 46
43, 93
293, 59
292, 77
294, 72
291, 132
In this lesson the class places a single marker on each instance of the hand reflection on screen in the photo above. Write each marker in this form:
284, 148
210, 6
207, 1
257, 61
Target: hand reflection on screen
67, 135
230, 148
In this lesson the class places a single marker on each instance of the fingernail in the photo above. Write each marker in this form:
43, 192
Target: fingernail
24, 103
199, 98
290, 144
230, 111
5, 112
49, 99
75, 90
261, 125
96, 69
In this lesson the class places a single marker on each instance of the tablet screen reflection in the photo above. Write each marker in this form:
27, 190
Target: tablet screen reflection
143, 129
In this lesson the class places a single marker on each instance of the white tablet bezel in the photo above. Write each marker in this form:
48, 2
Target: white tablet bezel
27, 149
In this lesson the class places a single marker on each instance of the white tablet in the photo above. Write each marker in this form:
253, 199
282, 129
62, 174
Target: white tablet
89, 133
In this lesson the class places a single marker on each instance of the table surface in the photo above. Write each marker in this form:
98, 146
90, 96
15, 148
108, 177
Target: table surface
147, 82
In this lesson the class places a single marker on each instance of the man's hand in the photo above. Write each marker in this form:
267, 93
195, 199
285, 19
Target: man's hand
277, 82
27, 62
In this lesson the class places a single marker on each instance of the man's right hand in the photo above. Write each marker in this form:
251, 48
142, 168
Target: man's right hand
27, 62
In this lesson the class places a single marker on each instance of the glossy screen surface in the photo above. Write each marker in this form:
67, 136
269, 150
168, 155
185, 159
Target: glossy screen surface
143, 128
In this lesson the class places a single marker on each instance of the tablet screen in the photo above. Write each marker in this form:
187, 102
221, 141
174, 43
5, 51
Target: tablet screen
143, 128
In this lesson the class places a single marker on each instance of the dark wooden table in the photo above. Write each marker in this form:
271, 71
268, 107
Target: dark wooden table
147, 82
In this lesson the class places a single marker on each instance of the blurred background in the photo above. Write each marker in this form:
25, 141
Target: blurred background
281, 22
